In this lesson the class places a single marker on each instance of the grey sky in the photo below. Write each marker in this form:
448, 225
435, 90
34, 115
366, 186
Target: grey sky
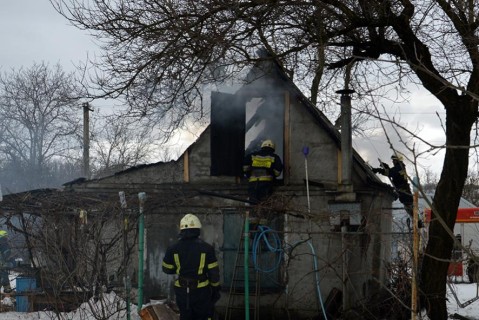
422, 115
31, 30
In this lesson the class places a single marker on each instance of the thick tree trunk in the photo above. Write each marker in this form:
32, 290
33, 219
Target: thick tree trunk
446, 201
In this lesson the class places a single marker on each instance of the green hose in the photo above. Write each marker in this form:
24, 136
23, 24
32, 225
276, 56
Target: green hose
246, 266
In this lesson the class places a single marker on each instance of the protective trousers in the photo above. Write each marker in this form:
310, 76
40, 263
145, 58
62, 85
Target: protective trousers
194, 303
259, 190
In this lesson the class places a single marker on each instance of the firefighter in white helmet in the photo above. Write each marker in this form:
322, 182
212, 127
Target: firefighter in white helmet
197, 287
261, 168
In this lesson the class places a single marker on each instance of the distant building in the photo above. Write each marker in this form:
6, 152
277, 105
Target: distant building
466, 231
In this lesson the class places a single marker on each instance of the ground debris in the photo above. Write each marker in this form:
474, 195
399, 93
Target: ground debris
158, 312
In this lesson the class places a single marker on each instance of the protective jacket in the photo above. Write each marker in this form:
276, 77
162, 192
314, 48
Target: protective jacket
261, 168
262, 165
193, 260
198, 282
398, 176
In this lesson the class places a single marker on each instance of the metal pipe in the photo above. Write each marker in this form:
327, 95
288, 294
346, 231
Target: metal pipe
346, 139
306, 152
141, 249
345, 262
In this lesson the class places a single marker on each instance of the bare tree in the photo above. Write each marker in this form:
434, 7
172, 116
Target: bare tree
471, 188
39, 119
118, 142
72, 247
159, 53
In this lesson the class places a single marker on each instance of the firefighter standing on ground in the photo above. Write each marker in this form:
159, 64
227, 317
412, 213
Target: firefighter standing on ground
197, 287
262, 167
398, 176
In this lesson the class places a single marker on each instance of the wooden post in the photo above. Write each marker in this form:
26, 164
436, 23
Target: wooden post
415, 249
246, 265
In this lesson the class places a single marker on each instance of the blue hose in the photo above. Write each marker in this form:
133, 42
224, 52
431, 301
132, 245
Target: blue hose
318, 290
274, 247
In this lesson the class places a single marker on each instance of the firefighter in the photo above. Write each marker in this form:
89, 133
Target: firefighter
5, 257
262, 167
398, 176
197, 287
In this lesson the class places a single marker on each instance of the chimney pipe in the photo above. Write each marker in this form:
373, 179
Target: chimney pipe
346, 141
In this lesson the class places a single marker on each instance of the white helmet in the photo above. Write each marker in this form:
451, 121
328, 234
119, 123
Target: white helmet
268, 144
397, 156
190, 221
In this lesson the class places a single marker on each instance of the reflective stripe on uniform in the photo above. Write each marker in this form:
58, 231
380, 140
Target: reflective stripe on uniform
177, 262
202, 263
262, 162
213, 265
265, 178
167, 265
200, 284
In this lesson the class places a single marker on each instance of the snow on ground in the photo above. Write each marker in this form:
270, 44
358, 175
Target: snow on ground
91, 310
464, 293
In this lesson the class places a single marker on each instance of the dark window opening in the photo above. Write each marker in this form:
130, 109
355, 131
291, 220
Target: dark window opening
227, 134
239, 125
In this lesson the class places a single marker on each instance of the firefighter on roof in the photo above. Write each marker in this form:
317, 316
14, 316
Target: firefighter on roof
262, 167
398, 176
197, 287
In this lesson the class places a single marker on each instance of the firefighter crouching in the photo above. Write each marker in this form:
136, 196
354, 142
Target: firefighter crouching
398, 176
262, 167
197, 287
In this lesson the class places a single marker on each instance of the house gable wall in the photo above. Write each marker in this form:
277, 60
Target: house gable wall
308, 211
304, 131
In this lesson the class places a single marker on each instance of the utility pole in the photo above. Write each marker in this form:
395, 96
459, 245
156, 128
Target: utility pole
141, 247
126, 277
86, 139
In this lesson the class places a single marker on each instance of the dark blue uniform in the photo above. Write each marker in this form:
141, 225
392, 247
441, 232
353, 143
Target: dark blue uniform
398, 176
197, 286
261, 167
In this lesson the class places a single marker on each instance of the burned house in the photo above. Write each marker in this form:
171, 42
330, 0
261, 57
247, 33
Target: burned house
329, 214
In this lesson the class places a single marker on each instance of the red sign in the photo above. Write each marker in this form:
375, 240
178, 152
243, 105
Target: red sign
464, 215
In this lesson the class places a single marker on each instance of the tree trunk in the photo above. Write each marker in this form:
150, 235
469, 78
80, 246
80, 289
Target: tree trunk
446, 201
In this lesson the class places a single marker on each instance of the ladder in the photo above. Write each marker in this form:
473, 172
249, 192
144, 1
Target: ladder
245, 286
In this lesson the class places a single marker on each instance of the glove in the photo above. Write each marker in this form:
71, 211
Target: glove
215, 294
376, 170
384, 165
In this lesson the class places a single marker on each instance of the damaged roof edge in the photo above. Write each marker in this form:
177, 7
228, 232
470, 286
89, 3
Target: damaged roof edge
322, 120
